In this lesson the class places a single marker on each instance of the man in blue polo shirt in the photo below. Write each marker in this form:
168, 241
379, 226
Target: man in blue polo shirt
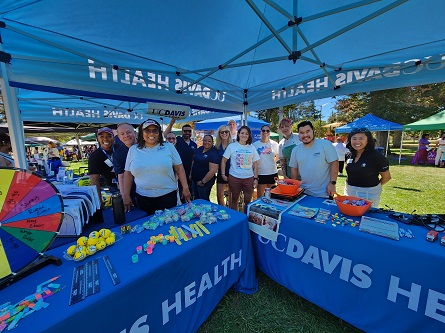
186, 149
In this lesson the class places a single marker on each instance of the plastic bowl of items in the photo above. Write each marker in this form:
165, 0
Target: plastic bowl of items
288, 186
352, 206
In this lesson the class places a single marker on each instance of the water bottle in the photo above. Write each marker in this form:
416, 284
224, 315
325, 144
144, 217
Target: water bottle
118, 208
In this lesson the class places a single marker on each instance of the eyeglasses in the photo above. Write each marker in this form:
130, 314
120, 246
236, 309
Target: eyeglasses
151, 131
265, 131
224, 132
359, 130
187, 131
171, 139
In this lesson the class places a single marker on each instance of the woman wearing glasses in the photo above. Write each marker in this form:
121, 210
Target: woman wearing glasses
152, 164
223, 138
267, 165
367, 169
204, 167
243, 173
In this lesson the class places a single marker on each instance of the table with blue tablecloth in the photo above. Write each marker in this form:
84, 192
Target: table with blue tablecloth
174, 289
375, 283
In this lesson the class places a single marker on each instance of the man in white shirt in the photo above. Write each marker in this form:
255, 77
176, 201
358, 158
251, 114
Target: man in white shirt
341, 149
316, 161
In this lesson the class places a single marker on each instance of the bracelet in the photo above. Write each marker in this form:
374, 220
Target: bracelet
255, 178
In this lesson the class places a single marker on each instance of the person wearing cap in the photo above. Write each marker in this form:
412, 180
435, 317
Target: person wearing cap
233, 128
315, 161
186, 148
152, 165
287, 143
127, 136
100, 162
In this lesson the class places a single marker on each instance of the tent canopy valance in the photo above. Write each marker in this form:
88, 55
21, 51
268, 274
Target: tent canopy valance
431, 123
372, 123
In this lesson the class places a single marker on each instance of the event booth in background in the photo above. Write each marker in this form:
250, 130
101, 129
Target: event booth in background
373, 124
237, 57
436, 122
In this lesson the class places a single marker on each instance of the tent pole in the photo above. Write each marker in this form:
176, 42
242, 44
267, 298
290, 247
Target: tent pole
401, 145
387, 145
15, 123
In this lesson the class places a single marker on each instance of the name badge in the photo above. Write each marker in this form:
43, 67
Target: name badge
108, 162
349, 161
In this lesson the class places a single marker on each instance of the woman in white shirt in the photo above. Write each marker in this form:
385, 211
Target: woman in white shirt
267, 165
243, 172
152, 164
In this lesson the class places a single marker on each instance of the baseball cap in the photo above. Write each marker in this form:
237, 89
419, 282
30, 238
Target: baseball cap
285, 121
105, 130
149, 122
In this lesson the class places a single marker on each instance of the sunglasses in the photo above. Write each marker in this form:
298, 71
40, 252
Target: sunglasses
187, 131
265, 131
151, 131
224, 132
359, 130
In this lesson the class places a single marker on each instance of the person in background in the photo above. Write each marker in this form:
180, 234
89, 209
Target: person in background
204, 167
127, 136
60, 149
186, 148
287, 143
54, 161
316, 161
267, 167
243, 172
341, 149
100, 162
5, 148
171, 137
440, 152
222, 141
421, 155
367, 169
152, 165
233, 129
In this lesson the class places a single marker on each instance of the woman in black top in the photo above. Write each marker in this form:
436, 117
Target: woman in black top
367, 169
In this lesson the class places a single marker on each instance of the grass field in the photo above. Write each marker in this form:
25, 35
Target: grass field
275, 309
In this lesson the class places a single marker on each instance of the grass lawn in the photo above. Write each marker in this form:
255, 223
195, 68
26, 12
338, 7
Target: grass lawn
275, 309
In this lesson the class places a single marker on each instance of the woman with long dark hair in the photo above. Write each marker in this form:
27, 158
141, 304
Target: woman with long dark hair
367, 169
243, 172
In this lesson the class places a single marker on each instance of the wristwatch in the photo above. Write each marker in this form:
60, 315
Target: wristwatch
333, 182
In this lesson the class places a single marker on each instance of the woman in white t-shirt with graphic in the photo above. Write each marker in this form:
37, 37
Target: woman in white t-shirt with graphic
267, 165
243, 172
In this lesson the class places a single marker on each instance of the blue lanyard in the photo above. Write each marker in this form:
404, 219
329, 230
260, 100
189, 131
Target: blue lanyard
106, 154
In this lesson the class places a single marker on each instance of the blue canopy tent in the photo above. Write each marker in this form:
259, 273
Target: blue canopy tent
373, 124
232, 56
213, 124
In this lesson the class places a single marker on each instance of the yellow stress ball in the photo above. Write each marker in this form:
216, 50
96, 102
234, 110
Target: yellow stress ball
79, 255
101, 245
105, 233
82, 241
91, 250
93, 234
92, 241
71, 250
110, 240
80, 249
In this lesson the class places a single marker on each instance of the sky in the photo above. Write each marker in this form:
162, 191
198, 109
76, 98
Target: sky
328, 106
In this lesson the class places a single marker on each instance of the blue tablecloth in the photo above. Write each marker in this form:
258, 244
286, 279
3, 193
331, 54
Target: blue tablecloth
172, 290
374, 283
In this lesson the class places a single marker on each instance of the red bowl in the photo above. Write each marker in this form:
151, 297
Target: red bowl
351, 210
290, 187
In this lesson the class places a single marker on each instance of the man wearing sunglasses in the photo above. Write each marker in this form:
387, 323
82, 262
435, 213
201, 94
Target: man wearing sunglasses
316, 161
186, 148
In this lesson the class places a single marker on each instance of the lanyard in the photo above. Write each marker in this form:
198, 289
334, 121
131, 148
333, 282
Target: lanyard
106, 154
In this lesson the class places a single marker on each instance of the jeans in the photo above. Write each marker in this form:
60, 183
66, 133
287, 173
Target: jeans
203, 192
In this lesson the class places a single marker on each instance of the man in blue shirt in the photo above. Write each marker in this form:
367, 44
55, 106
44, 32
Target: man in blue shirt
127, 136
186, 149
